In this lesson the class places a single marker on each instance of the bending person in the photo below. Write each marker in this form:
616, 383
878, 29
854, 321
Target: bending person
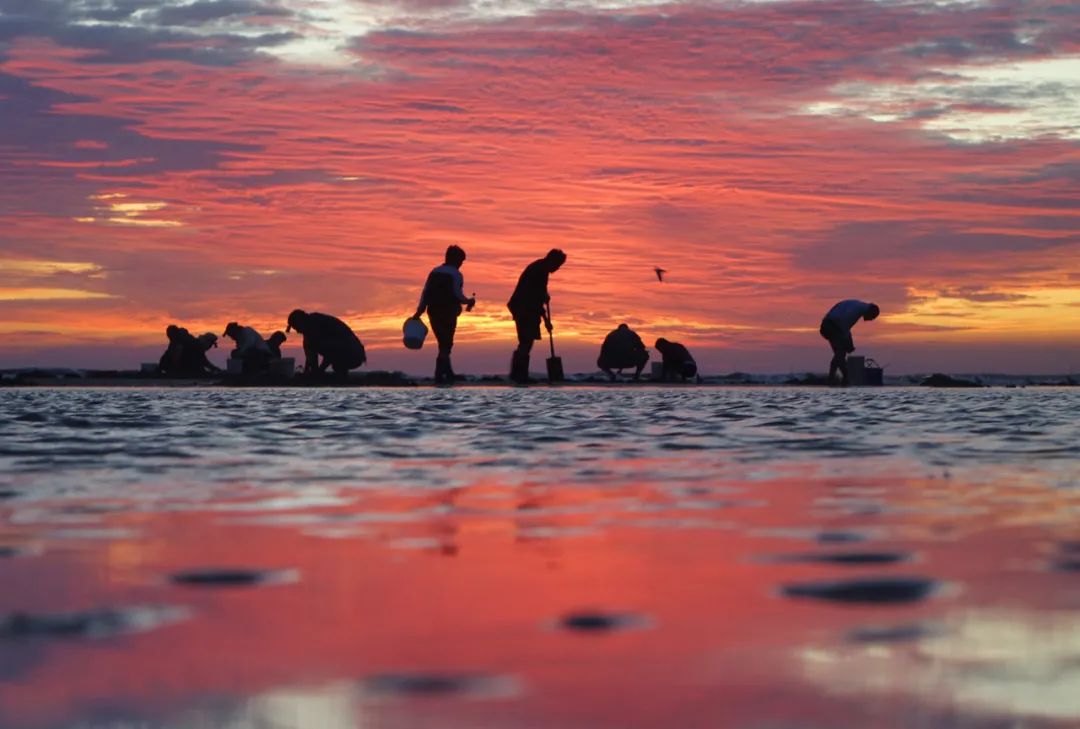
836, 328
274, 342
186, 354
622, 349
527, 306
442, 298
251, 349
330, 338
677, 360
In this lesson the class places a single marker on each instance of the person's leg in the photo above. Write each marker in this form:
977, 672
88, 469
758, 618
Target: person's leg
443, 336
341, 370
451, 329
527, 330
831, 333
605, 366
839, 361
526, 334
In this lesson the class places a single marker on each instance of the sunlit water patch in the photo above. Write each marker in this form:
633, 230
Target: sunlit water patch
575, 557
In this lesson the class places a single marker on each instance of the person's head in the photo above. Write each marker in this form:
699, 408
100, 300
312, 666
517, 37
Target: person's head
872, 313
624, 327
455, 256
232, 329
208, 340
555, 259
277, 339
661, 344
297, 319
172, 331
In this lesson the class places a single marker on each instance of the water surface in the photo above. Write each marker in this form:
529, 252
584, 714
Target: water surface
682, 557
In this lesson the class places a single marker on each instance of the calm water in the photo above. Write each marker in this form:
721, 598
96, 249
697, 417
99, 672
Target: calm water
744, 559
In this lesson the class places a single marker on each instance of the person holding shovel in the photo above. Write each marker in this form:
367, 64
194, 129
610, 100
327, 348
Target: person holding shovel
442, 298
529, 305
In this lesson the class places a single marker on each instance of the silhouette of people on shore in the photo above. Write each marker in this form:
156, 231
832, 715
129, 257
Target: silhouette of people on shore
186, 354
330, 338
442, 298
251, 349
836, 329
677, 360
528, 307
274, 342
622, 349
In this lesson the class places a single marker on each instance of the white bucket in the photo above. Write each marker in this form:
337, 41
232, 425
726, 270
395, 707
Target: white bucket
414, 332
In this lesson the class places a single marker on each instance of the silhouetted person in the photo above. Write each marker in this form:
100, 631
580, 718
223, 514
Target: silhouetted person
528, 307
677, 360
194, 358
622, 349
251, 348
330, 338
186, 355
274, 342
836, 328
442, 298
169, 363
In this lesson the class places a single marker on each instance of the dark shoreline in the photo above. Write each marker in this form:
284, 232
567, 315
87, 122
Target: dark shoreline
119, 379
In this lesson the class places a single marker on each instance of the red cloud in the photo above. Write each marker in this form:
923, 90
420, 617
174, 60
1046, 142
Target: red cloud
630, 139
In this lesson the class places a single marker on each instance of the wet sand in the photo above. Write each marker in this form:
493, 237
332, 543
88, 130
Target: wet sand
532, 558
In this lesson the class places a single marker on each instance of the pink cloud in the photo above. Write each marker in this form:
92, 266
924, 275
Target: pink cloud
630, 139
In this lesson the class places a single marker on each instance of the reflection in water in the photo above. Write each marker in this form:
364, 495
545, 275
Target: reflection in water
996, 662
646, 558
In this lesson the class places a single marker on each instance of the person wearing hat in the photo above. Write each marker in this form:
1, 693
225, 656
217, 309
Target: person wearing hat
186, 355
327, 337
194, 359
442, 298
528, 307
251, 349
836, 329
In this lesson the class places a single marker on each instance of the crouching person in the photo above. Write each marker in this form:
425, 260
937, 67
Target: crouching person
621, 350
251, 349
186, 354
274, 342
677, 360
330, 338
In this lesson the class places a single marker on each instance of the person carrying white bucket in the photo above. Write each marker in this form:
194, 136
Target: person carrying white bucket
442, 298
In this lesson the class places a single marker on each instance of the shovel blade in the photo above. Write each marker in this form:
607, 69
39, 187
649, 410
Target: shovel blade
555, 369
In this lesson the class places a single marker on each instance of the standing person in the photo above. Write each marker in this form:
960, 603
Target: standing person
328, 337
251, 349
622, 348
442, 298
836, 328
528, 306
677, 360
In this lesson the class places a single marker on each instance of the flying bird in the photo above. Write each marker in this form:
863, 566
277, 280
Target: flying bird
659, 273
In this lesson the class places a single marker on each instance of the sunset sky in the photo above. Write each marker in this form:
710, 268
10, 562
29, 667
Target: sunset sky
201, 162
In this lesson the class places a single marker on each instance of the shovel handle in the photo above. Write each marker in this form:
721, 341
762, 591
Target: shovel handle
551, 338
